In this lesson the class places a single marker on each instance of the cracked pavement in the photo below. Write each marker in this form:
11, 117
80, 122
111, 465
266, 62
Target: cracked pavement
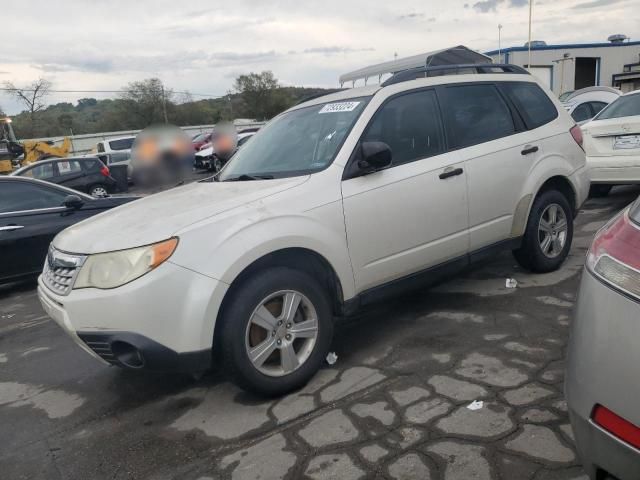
394, 405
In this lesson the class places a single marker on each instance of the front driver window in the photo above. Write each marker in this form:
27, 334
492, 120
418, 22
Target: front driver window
410, 124
42, 172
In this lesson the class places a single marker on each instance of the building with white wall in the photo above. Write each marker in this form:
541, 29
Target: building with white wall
564, 68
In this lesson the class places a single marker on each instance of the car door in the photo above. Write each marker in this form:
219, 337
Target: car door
71, 174
414, 214
30, 216
498, 153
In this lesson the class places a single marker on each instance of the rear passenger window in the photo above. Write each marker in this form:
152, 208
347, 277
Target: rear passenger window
89, 165
411, 125
533, 104
69, 166
582, 112
597, 106
476, 114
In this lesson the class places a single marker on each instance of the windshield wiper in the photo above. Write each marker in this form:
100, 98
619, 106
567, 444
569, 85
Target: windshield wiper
245, 178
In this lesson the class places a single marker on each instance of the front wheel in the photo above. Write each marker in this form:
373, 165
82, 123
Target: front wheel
547, 238
276, 331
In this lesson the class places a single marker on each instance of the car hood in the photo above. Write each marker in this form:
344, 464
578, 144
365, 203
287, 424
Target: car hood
160, 216
205, 152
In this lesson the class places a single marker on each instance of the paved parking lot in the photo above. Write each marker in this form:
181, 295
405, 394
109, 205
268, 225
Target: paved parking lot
394, 405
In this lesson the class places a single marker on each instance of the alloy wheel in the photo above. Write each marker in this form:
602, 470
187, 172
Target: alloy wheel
281, 333
552, 230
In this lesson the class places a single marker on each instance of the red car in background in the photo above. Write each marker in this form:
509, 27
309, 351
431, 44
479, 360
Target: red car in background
200, 140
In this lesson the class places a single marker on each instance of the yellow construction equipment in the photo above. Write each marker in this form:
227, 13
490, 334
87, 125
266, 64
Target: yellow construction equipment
33, 150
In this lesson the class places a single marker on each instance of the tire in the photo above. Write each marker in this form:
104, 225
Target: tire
531, 255
599, 190
239, 335
98, 190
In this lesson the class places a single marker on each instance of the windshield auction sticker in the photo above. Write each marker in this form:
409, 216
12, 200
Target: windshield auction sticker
339, 107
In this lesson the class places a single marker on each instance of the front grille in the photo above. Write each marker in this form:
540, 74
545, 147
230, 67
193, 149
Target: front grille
60, 271
102, 349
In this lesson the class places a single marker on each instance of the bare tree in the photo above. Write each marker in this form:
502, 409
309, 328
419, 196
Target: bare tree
32, 97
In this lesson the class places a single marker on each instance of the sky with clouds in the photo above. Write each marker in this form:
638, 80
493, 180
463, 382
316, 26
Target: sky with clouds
201, 46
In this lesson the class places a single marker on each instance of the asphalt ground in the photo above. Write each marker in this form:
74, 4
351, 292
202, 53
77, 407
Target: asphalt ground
394, 405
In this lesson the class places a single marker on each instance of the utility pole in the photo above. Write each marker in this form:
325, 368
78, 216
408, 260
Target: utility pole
499, 43
164, 105
529, 43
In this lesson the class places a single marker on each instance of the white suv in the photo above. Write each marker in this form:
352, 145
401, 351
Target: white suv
336, 203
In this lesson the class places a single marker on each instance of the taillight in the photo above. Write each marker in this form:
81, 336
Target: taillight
616, 425
613, 255
576, 133
105, 171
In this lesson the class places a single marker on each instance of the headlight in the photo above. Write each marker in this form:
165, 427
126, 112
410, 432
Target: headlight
113, 269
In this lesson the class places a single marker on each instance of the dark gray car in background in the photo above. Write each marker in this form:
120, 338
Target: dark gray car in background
602, 382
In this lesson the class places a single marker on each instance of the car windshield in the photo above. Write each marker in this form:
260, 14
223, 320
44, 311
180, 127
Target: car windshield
201, 137
625, 106
298, 142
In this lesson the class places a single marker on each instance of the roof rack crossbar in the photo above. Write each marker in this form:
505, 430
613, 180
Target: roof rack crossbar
440, 70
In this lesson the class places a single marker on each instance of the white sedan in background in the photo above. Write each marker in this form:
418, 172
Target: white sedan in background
586, 103
612, 144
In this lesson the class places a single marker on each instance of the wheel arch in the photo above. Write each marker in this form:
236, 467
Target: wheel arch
298, 258
560, 183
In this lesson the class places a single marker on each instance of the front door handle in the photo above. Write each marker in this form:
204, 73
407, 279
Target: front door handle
450, 172
529, 149
10, 228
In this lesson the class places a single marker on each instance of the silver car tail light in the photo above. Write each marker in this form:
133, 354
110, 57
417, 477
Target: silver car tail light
614, 255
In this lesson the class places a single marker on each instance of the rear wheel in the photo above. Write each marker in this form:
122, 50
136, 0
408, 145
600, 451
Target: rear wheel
598, 190
549, 232
276, 331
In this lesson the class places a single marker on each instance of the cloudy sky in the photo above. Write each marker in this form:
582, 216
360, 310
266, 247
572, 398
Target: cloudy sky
200, 46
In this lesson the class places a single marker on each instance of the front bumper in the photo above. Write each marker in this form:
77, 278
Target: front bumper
620, 170
167, 315
602, 369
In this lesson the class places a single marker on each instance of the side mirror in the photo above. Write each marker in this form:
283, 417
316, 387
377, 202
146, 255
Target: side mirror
72, 202
374, 156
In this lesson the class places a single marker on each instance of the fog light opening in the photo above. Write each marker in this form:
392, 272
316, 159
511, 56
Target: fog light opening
127, 354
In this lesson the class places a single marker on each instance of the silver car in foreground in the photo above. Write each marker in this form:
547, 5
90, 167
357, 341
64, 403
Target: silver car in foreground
602, 382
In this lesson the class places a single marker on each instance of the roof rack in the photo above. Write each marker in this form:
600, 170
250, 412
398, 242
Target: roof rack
440, 70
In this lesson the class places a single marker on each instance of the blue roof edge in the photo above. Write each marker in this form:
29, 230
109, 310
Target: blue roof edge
560, 47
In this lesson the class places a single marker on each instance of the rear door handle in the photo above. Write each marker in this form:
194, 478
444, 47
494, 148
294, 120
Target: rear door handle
10, 228
529, 149
451, 172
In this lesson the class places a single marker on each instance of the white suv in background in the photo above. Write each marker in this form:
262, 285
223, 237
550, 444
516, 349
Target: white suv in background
336, 203
112, 145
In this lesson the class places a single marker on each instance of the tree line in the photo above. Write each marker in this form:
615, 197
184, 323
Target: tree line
256, 96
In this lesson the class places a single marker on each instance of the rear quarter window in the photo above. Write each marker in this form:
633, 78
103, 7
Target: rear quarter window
122, 144
535, 107
89, 165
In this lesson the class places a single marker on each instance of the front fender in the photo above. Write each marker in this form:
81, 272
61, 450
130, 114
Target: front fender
236, 242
